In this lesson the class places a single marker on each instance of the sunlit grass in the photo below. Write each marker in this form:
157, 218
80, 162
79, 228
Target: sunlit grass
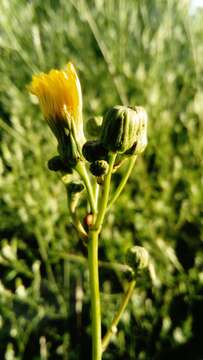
143, 53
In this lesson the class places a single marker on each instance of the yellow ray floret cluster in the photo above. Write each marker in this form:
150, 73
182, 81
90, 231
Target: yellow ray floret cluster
59, 93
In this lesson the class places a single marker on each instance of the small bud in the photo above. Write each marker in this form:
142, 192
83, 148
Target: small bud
93, 150
75, 187
122, 128
93, 126
88, 220
137, 257
99, 168
56, 164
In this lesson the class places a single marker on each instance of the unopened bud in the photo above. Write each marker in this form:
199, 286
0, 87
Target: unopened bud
88, 220
56, 164
137, 257
123, 127
75, 187
93, 150
99, 168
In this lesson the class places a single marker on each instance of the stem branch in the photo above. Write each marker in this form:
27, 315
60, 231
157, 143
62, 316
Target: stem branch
72, 205
123, 181
113, 328
81, 169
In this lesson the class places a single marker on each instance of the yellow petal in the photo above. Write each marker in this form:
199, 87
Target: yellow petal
59, 93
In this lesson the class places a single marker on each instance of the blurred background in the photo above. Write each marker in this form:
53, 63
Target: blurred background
135, 52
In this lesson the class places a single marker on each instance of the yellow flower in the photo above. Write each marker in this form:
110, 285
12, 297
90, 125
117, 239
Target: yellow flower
60, 96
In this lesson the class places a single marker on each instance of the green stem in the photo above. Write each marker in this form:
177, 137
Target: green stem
105, 195
123, 181
95, 296
113, 328
81, 169
94, 266
96, 193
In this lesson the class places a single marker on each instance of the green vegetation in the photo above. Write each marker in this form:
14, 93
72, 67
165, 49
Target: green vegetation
141, 52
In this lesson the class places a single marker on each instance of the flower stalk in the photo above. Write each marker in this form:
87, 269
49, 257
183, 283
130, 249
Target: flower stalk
113, 327
123, 181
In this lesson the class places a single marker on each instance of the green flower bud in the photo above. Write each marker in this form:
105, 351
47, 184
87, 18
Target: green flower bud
93, 126
122, 128
75, 187
88, 220
56, 164
137, 257
93, 150
99, 168
141, 142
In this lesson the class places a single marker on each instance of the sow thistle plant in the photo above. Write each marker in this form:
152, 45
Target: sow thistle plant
86, 168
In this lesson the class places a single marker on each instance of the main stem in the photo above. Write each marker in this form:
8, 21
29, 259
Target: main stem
95, 297
94, 266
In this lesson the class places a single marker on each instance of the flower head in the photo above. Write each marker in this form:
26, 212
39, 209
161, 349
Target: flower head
60, 97
58, 91
124, 130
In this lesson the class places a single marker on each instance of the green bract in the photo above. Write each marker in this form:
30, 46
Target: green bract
68, 150
124, 128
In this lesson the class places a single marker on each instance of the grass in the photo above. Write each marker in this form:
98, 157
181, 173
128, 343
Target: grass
126, 52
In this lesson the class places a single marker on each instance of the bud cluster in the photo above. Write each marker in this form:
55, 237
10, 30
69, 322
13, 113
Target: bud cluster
122, 131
